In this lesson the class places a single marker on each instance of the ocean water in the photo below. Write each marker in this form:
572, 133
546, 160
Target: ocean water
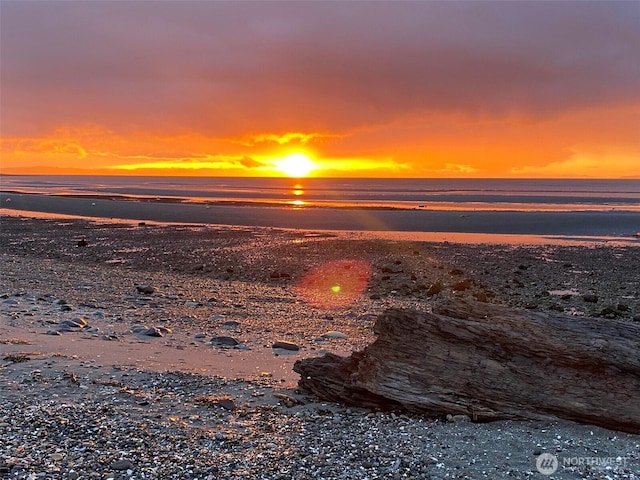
430, 194
570, 208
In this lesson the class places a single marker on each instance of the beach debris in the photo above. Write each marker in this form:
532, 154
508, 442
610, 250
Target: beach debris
287, 400
223, 341
145, 289
17, 357
286, 345
422, 362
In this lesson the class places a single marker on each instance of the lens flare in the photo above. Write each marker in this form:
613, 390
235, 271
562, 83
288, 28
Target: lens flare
335, 284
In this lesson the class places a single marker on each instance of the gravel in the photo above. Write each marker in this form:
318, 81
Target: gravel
65, 416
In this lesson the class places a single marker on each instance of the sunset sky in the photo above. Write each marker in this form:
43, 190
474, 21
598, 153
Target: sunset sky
385, 89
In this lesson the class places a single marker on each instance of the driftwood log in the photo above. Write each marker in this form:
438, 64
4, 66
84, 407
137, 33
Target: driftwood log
490, 362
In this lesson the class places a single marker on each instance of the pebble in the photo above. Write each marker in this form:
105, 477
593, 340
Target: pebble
122, 465
145, 289
224, 341
285, 345
333, 334
590, 298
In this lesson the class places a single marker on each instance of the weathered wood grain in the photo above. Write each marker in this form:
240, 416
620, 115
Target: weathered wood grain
490, 362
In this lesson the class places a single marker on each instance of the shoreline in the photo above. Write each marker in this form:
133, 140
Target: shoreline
619, 225
180, 406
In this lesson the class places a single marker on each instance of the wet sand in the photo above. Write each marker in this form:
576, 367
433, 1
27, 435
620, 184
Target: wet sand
620, 225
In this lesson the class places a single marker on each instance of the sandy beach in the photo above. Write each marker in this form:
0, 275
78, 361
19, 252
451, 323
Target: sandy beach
144, 350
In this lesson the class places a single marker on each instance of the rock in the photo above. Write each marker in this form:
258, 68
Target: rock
137, 328
192, 303
456, 271
622, 307
223, 341
608, 312
122, 465
73, 323
227, 403
285, 345
56, 456
10, 301
150, 332
53, 332
333, 334
82, 243
590, 298
145, 289
230, 324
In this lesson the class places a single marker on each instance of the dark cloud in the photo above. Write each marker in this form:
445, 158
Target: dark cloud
226, 68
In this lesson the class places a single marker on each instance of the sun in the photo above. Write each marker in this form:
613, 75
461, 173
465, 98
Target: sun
296, 165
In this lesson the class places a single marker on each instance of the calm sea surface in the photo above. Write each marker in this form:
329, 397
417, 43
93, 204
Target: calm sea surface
430, 194
571, 208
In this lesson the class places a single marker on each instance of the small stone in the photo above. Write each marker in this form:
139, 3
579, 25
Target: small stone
138, 328
10, 301
590, 298
230, 324
82, 243
56, 456
191, 303
53, 332
333, 334
74, 323
145, 289
285, 345
227, 403
152, 332
223, 341
608, 312
122, 465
